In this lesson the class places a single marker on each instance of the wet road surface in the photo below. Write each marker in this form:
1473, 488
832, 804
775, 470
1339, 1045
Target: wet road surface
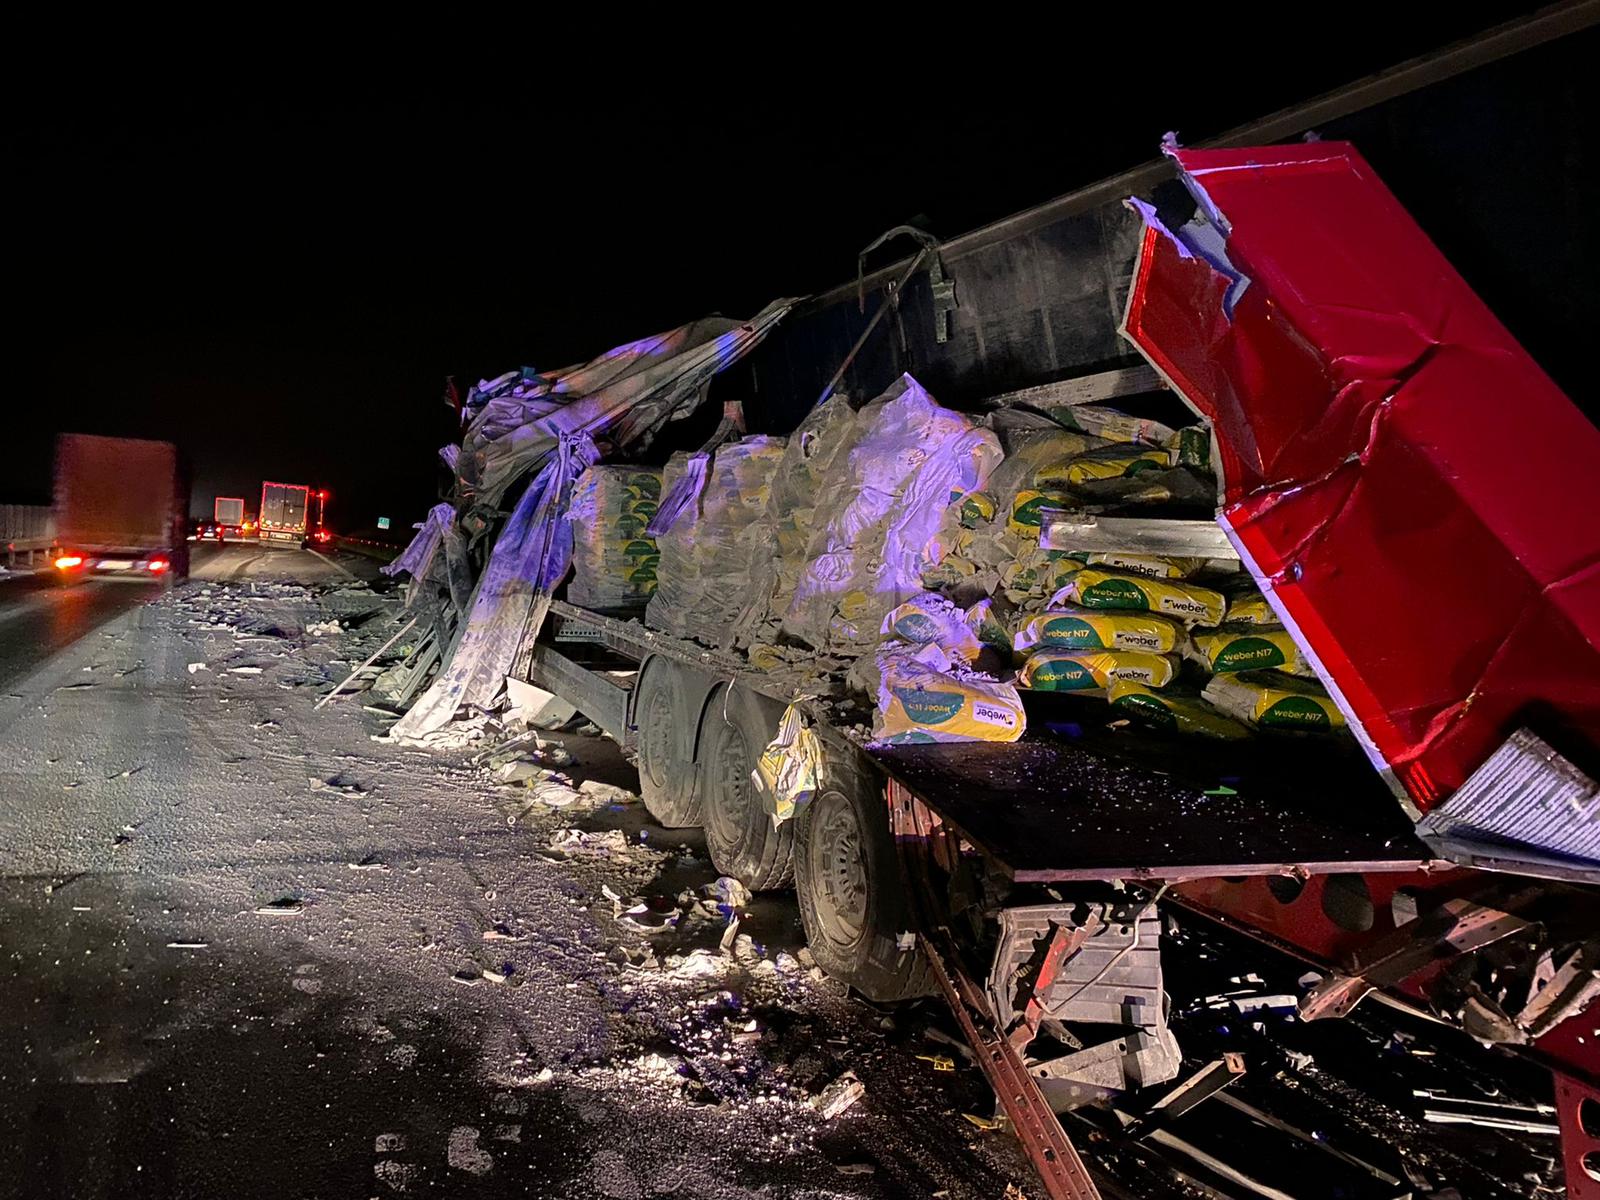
244, 951
38, 617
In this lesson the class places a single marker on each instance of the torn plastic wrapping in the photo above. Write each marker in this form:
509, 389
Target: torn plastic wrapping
889, 496
552, 427
1384, 446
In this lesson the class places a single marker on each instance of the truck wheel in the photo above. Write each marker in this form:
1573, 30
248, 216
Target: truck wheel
666, 744
736, 728
853, 901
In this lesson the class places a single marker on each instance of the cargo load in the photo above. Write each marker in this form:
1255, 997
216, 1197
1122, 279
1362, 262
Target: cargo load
708, 553
887, 498
921, 696
614, 562
1093, 587
1270, 700
1094, 670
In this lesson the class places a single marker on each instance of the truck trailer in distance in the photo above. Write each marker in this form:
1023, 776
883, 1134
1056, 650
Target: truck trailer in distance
119, 508
283, 513
228, 512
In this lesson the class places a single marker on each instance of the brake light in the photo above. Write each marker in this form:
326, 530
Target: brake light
158, 565
69, 560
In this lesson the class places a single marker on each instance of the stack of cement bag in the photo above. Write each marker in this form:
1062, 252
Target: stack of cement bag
826, 435
709, 551
884, 501
614, 562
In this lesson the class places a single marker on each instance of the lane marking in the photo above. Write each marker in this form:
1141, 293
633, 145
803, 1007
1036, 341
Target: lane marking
331, 563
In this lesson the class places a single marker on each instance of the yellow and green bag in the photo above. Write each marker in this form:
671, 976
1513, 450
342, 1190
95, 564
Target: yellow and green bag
1151, 566
1095, 587
1249, 648
919, 703
1087, 671
1108, 462
1085, 629
1170, 710
1274, 701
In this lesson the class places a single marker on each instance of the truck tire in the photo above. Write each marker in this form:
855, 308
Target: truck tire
853, 900
740, 836
663, 715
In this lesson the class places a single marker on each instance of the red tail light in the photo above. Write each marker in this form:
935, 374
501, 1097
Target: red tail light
68, 561
158, 565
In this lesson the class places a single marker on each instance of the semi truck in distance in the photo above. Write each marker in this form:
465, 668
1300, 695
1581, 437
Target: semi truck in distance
283, 514
119, 508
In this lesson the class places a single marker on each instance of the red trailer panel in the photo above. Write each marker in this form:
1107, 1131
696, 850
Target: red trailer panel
1413, 493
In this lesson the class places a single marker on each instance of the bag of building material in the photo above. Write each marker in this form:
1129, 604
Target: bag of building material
1190, 446
922, 697
1171, 710
1026, 514
1098, 588
707, 555
990, 621
827, 432
885, 500
1151, 566
1181, 487
1270, 700
1035, 574
1109, 424
1246, 606
931, 620
1094, 670
614, 563
1086, 629
1235, 648
1108, 462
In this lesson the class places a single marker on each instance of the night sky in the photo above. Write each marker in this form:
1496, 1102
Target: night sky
277, 268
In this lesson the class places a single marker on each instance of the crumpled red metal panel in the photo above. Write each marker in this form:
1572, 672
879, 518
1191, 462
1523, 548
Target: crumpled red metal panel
1419, 499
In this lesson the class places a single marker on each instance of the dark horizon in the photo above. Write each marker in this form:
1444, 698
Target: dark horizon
282, 287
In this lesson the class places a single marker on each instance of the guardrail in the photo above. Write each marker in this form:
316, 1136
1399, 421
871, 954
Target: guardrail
25, 529
383, 551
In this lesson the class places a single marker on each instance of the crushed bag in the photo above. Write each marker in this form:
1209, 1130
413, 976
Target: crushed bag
788, 770
614, 562
1249, 607
1093, 670
1249, 648
920, 698
990, 621
1085, 629
1109, 424
930, 619
1098, 588
1274, 701
1171, 710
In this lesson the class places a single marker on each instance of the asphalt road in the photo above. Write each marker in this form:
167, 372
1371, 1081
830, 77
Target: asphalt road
38, 617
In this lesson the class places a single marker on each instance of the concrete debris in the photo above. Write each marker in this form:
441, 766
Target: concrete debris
839, 1096
535, 707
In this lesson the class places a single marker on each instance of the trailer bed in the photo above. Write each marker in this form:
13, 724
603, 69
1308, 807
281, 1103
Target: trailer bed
1045, 809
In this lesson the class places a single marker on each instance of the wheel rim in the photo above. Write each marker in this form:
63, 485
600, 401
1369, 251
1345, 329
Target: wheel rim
731, 766
838, 869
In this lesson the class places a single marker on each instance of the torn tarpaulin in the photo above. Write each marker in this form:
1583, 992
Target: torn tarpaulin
1397, 473
552, 426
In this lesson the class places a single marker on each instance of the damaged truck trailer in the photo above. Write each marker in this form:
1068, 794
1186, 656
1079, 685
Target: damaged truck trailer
1218, 600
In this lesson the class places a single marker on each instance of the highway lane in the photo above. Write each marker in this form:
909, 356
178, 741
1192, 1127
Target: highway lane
39, 618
